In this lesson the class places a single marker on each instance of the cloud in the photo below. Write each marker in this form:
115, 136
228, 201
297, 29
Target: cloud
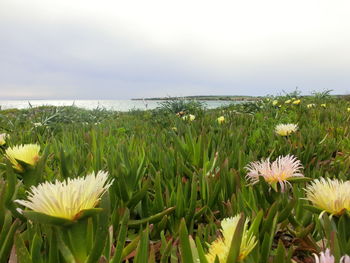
84, 49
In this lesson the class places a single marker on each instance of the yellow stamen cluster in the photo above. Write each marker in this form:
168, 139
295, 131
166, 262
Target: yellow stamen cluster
221, 246
66, 199
28, 153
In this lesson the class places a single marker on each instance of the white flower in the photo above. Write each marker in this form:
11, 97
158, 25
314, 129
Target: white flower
286, 129
332, 196
68, 198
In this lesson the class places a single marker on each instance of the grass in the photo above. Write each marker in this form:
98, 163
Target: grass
176, 180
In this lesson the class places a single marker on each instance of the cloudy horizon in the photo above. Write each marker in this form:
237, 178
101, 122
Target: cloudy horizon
110, 50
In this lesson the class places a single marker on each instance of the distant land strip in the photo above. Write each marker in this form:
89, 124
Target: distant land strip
206, 97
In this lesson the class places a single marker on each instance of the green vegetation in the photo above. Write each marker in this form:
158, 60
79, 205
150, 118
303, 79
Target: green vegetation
176, 180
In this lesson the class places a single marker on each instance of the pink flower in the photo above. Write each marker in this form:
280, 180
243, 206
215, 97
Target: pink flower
325, 257
345, 259
279, 171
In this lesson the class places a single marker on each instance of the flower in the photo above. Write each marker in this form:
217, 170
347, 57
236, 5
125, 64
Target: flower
286, 129
68, 198
279, 171
325, 257
27, 153
275, 102
323, 105
37, 124
345, 259
296, 102
287, 101
189, 117
311, 105
332, 196
348, 109
221, 246
221, 119
3, 137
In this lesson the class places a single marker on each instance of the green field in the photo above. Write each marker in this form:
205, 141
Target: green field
175, 181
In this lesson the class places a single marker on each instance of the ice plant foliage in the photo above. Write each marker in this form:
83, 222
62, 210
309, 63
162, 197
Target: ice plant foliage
279, 171
66, 199
332, 196
286, 129
221, 246
27, 153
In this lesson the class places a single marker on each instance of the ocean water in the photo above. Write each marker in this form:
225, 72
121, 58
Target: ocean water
117, 105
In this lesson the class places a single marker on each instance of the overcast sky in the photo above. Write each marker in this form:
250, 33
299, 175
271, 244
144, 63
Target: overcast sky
81, 49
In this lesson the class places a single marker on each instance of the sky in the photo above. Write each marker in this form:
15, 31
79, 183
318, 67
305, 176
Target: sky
86, 49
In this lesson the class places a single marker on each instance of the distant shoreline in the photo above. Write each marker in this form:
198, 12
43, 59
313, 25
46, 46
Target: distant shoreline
208, 97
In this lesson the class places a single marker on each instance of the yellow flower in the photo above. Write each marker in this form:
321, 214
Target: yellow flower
332, 196
189, 117
311, 105
287, 101
3, 137
286, 129
296, 102
348, 109
221, 246
68, 198
323, 105
28, 153
275, 102
221, 119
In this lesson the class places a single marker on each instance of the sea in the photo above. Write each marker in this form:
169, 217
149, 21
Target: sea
114, 105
